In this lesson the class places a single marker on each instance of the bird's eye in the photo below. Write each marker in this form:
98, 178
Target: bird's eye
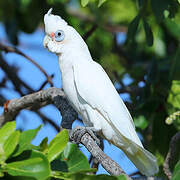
59, 35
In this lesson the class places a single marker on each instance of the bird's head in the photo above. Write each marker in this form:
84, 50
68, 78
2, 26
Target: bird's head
58, 33
62, 38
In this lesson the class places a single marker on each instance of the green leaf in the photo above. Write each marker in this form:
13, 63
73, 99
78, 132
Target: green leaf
176, 172
173, 27
81, 176
5, 132
174, 95
85, 176
57, 145
74, 160
159, 7
65, 175
174, 70
141, 122
84, 2
132, 29
37, 166
11, 143
101, 2
1, 173
25, 140
121, 177
44, 145
148, 32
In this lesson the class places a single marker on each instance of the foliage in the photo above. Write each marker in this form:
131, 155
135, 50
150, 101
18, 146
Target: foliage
59, 159
176, 173
149, 57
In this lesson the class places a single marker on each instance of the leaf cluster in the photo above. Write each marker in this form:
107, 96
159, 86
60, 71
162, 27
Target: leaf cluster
59, 159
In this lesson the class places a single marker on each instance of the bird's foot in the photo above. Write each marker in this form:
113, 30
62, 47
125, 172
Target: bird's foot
78, 132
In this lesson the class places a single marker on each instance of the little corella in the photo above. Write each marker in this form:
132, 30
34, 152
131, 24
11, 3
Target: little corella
92, 94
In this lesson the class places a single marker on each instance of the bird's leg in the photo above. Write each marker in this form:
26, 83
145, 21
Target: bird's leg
77, 133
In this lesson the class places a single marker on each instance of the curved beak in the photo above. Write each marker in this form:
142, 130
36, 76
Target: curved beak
46, 41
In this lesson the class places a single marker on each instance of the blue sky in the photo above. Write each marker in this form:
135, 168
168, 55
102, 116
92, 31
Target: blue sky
31, 45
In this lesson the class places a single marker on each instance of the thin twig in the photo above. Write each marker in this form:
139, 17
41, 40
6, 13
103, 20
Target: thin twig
13, 76
45, 82
171, 153
90, 32
8, 49
48, 120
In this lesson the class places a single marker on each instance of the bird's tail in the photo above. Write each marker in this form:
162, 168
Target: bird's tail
142, 159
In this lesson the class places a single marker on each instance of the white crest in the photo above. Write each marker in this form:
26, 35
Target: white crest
53, 22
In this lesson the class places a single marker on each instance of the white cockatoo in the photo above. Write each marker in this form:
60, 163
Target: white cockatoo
92, 94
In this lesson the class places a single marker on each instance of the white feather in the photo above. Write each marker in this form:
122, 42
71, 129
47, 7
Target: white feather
92, 94
95, 87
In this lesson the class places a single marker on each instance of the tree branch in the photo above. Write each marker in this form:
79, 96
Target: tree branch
69, 115
171, 154
40, 99
111, 166
90, 32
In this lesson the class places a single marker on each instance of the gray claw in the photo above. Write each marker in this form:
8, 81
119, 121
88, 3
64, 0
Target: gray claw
77, 133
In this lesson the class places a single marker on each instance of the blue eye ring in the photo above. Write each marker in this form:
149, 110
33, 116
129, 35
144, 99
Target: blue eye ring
59, 35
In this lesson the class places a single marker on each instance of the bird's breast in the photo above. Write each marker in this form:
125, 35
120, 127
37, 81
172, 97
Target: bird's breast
73, 97
69, 89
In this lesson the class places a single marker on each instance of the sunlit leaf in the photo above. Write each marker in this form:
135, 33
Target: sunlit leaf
25, 140
65, 175
84, 176
121, 12
37, 166
5, 133
57, 145
141, 122
81, 176
121, 177
84, 2
174, 95
11, 143
101, 2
